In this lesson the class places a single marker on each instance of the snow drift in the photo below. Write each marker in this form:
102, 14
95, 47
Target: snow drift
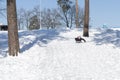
54, 55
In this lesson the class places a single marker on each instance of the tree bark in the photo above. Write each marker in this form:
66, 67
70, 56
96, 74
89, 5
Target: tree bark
76, 14
13, 41
86, 19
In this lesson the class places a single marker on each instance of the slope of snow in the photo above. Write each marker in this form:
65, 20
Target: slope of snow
54, 55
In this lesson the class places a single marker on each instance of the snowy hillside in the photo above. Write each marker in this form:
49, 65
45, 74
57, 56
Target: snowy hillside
54, 55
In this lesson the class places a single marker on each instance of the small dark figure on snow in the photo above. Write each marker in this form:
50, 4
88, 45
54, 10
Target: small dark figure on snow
79, 39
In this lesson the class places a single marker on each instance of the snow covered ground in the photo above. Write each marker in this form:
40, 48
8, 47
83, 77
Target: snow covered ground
54, 55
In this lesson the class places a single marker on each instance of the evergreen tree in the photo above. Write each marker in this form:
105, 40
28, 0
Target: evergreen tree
34, 23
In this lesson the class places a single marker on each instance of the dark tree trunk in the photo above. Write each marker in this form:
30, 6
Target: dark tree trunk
86, 19
13, 41
76, 14
66, 19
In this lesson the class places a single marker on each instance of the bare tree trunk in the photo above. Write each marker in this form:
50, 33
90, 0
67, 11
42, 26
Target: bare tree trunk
86, 19
13, 40
66, 19
76, 14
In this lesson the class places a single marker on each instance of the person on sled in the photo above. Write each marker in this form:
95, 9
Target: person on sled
79, 39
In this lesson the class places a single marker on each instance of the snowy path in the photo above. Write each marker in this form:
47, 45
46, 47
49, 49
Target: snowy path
67, 60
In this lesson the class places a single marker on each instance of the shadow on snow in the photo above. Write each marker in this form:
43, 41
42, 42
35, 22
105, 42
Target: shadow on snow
28, 39
3, 43
39, 37
109, 36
